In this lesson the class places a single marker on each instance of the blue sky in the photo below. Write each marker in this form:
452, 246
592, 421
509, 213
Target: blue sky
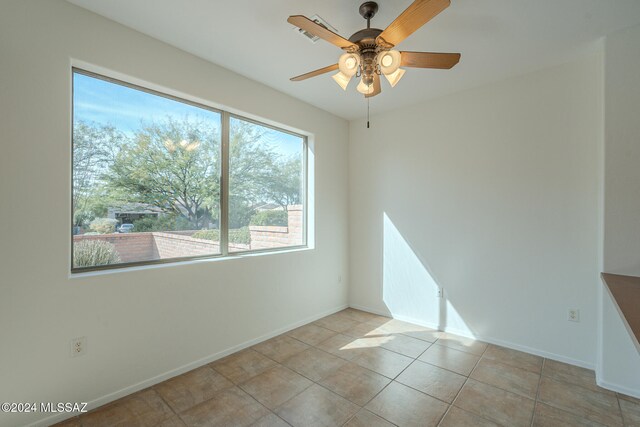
105, 103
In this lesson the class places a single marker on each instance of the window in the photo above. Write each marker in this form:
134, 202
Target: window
266, 186
159, 179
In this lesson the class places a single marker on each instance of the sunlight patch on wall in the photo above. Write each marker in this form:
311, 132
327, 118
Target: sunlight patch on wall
410, 290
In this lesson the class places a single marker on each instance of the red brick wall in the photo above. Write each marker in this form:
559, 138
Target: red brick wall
131, 246
267, 237
296, 224
180, 232
197, 242
134, 247
169, 245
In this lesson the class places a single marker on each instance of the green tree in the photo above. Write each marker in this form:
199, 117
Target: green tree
174, 166
285, 187
250, 169
93, 148
258, 173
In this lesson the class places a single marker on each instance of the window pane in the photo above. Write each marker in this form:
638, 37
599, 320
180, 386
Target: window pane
266, 187
146, 172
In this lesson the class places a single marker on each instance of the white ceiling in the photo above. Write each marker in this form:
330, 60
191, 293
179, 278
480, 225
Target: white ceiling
497, 39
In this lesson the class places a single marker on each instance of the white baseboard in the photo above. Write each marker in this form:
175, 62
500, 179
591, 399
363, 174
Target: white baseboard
490, 340
370, 310
618, 388
103, 400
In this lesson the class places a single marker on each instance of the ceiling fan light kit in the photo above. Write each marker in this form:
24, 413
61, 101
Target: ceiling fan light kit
394, 78
342, 79
389, 61
348, 64
365, 89
369, 52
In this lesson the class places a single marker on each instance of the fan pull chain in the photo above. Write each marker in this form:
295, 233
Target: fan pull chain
367, 113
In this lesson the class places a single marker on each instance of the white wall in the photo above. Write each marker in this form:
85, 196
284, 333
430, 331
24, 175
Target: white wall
492, 194
139, 324
620, 365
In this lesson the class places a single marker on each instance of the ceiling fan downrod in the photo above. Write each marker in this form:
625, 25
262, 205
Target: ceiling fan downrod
368, 10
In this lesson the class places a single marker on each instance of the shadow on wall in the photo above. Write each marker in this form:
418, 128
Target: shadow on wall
410, 289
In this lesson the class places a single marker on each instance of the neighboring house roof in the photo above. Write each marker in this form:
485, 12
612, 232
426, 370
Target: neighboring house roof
133, 208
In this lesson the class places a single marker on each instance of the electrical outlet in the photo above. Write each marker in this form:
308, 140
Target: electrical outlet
78, 346
439, 292
573, 315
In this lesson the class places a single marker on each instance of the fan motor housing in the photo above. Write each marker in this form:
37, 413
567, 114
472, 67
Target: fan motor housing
365, 37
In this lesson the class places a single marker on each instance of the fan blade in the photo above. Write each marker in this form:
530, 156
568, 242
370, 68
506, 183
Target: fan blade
377, 88
314, 73
444, 61
415, 16
308, 25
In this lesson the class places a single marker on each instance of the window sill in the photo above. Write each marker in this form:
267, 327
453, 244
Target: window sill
214, 258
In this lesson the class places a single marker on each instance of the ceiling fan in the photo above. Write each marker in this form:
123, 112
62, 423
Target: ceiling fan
369, 52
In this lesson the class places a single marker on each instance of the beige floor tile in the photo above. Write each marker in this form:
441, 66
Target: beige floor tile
630, 412
406, 345
548, 416
383, 361
271, 420
395, 326
628, 398
338, 322
355, 383
515, 358
457, 417
340, 345
364, 330
425, 334
582, 402
356, 368
405, 406
241, 366
365, 418
572, 374
371, 341
362, 316
187, 390
275, 386
314, 364
71, 422
145, 408
311, 334
495, 404
174, 421
448, 358
507, 377
465, 344
280, 348
229, 407
317, 406
379, 320
434, 381
386, 326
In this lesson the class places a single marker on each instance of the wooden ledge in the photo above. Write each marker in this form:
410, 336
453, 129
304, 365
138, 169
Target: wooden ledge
625, 291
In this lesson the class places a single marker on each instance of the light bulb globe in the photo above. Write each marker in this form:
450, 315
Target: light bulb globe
348, 64
341, 79
389, 61
364, 89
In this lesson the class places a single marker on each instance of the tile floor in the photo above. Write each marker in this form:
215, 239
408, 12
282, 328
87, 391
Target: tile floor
358, 369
